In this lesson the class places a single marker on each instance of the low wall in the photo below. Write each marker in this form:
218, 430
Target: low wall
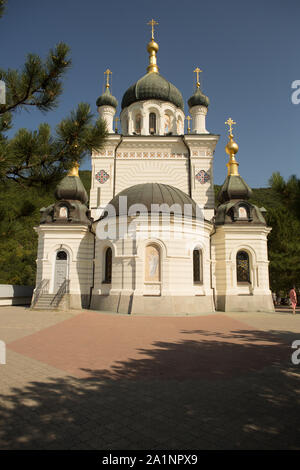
15, 295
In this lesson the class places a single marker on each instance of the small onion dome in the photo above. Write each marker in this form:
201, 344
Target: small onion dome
198, 99
234, 187
71, 188
107, 99
152, 86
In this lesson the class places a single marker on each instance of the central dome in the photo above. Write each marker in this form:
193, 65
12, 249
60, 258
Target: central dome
152, 86
154, 193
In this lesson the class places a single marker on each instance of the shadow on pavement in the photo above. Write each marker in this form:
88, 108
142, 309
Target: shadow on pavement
226, 391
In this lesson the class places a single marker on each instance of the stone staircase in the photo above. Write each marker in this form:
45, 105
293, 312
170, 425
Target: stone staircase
42, 300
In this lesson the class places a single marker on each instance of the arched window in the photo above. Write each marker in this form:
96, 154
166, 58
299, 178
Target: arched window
179, 126
152, 123
197, 266
242, 267
167, 124
63, 212
108, 266
242, 212
138, 124
61, 255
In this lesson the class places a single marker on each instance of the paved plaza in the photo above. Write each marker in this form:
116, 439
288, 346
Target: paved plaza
93, 380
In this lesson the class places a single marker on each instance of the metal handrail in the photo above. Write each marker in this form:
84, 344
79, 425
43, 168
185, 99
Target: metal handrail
64, 289
41, 288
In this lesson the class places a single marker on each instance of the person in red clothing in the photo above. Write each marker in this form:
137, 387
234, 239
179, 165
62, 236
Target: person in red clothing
293, 298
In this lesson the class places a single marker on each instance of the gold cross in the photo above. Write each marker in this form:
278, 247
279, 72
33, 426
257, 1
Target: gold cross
230, 123
107, 73
197, 71
152, 23
116, 120
188, 118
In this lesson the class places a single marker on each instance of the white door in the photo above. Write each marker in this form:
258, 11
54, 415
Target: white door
61, 269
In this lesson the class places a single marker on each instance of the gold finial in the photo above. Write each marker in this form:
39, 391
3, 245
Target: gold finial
188, 118
231, 149
152, 23
152, 48
230, 123
107, 73
74, 170
116, 128
197, 71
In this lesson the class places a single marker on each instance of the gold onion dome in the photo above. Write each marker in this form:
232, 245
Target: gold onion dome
234, 186
231, 147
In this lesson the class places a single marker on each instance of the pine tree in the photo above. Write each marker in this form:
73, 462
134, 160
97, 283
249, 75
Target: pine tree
39, 158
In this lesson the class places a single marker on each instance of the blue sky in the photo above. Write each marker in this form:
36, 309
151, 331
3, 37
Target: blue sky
248, 51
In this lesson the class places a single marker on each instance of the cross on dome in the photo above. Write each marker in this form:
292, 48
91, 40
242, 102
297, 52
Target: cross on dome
107, 73
230, 123
152, 23
197, 71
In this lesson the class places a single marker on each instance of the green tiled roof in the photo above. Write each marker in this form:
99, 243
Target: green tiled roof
152, 86
155, 193
234, 187
107, 99
198, 99
71, 188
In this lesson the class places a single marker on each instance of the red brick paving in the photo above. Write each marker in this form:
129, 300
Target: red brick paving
209, 347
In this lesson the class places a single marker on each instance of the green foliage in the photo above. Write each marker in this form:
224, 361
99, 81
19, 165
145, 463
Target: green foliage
19, 214
37, 158
2, 6
38, 84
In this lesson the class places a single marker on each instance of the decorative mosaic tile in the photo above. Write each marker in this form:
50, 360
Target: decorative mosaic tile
202, 176
102, 176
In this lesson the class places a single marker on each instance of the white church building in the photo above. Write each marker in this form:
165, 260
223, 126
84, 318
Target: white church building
151, 240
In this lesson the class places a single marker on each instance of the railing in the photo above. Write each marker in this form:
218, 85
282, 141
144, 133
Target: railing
41, 288
64, 289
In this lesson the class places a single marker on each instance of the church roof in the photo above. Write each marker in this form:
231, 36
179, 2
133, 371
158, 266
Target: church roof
155, 193
234, 187
71, 188
107, 99
153, 86
198, 99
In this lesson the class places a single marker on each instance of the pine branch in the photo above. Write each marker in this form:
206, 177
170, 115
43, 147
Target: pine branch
38, 84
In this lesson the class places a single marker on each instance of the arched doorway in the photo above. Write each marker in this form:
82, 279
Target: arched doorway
61, 269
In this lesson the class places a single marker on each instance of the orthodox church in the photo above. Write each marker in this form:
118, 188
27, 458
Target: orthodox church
151, 241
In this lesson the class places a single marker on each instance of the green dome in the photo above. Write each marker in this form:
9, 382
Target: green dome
107, 99
154, 193
71, 188
198, 99
234, 187
152, 86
